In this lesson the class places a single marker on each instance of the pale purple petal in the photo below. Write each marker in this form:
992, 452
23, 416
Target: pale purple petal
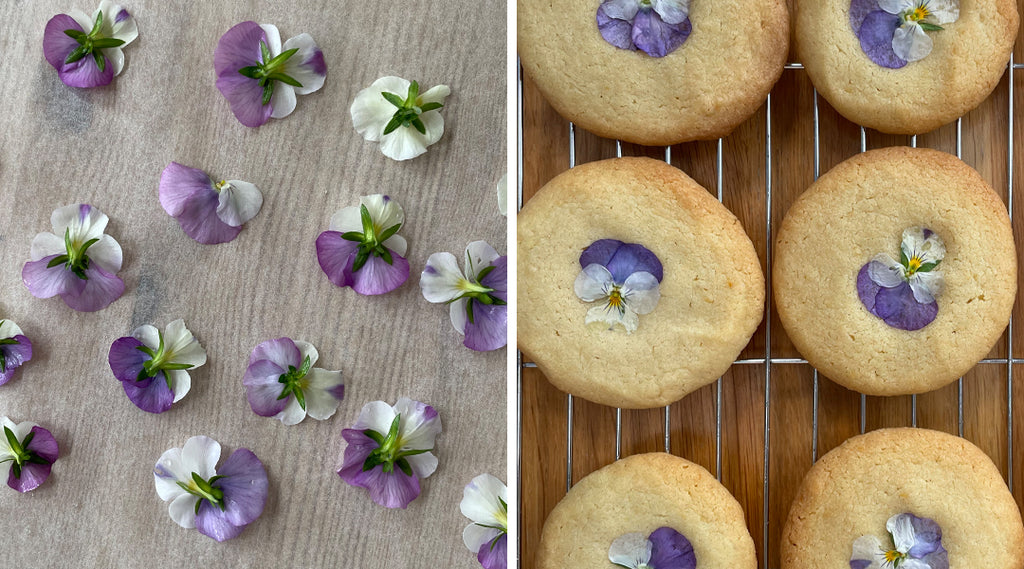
497, 279
126, 360
656, 38
927, 536
859, 563
178, 183
199, 220
45, 282
56, 44
244, 486
622, 259
867, 288
281, 351
43, 444
359, 448
859, 9
495, 555
151, 395
617, 32
262, 388
335, 256
85, 73
379, 277
212, 522
671, 550
938, 559
32, 475
393, 490
14, 356
488, 330
239, 47
245, 96
876, 34
101, 288
899, 309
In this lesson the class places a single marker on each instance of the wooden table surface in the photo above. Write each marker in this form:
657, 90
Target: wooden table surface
760, 428
108, 146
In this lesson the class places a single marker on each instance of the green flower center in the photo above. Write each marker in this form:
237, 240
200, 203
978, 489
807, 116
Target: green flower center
91, 43
473, 290
390, 454
160, 360
294, 382
75, 258
21, 453
371, 240
409, 110
271, 69
204, 490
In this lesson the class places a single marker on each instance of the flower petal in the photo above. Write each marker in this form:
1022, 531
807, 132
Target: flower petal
503, 195
200, 455
899, 309
489, 328
82, 221
281, 351
14, 355
371, 112
178, 184
101, 288
494, 555
902, 530
377, 276
307, 65
867, 552
497, 279
238, 202
183, 510
122, 24
655, 37
458, 315
181, 383
181, 346
474, 536
212, 522
894, 6
384, 211
125, 359
620, 9
630, 550
199, 220
273, 39
46, 244
244, 486
375, 415
943, 11
859, 9
927, 537
479, 254
8, 329
85, 73
671, 549
423, 465
293, 413
347, 219
335, 256
262, 388
622, 259
419, 426
440, 278
43, 444
326, 390
612, 316
106, 253
672, 11
926, 286
32, 475
167, 472
911, 42
150, 396
283, 101
394, 490
148, 335
885, 272
617, 32
239, 47
56, 44
356, 452
45, 282
481, 502
593, 283
641, 292
245, 96
404, 143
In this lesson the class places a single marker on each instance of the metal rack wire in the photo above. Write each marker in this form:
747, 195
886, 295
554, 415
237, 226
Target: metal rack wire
768, 360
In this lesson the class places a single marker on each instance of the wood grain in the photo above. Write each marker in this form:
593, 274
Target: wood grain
788, 408
108, 147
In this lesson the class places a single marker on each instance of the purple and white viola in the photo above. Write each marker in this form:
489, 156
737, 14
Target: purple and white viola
664, 548
623, 278
388, 450
27, 453
209, 212
86, 51
655, 27
260, 77
477, 298
362, 248
15, 349
903, 293
219, 502
917, 544
392, 111
485, 501
894, 32
152, 366
280, 382
77, 261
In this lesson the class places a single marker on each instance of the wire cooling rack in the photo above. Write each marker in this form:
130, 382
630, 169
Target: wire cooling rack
768, 360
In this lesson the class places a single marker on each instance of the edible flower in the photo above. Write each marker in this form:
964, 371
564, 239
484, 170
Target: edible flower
903, 293
362, 248
259, 77
485, 501
388, 450
15, 349
89, 58
895, 32
665, 548
392, 111
77, 261
219, 502
477, 298
209, 212
280, 382
655, 27
917, 544
27, 453
152, 366
623, 278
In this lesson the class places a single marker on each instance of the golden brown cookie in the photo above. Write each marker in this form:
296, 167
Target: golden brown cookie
711, 294
710, 84
856, 488
859, 210
967, 59
640, 494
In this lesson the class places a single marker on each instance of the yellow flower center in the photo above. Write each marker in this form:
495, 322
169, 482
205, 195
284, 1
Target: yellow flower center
615, 299
919, 13
893, 557
913, 265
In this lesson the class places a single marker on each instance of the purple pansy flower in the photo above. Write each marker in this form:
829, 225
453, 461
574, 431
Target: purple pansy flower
86, 51
393, 112
485, 501
655, 27
15, 349
903, 293
664, 548
152, 366
477, 298
388, 450
209, 212
281, 382
77, 261
623, 278
362, 248
219, 502
893, 32
27, 452
259, 77
917, 544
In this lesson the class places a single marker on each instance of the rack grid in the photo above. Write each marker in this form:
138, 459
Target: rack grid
768, 360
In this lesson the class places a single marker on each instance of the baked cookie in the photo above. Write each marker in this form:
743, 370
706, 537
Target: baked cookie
923, 498
636, 286
895, 272
654, 73
654, 499
905, 66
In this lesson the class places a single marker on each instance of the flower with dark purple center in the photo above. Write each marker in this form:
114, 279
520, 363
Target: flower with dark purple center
15, 349
655, 27
623, 278
392, 111
80, 265
903, 293
893, 32
477, 299
27, 452
485, 501
209, 212
152, 366
280, 382
362, 248
259, 77
388, 450
664, 548
89, 58
219, 502
917, 544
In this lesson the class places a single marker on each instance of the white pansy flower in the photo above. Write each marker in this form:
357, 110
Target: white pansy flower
392, 111
910, 41
618, 303
921, 252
